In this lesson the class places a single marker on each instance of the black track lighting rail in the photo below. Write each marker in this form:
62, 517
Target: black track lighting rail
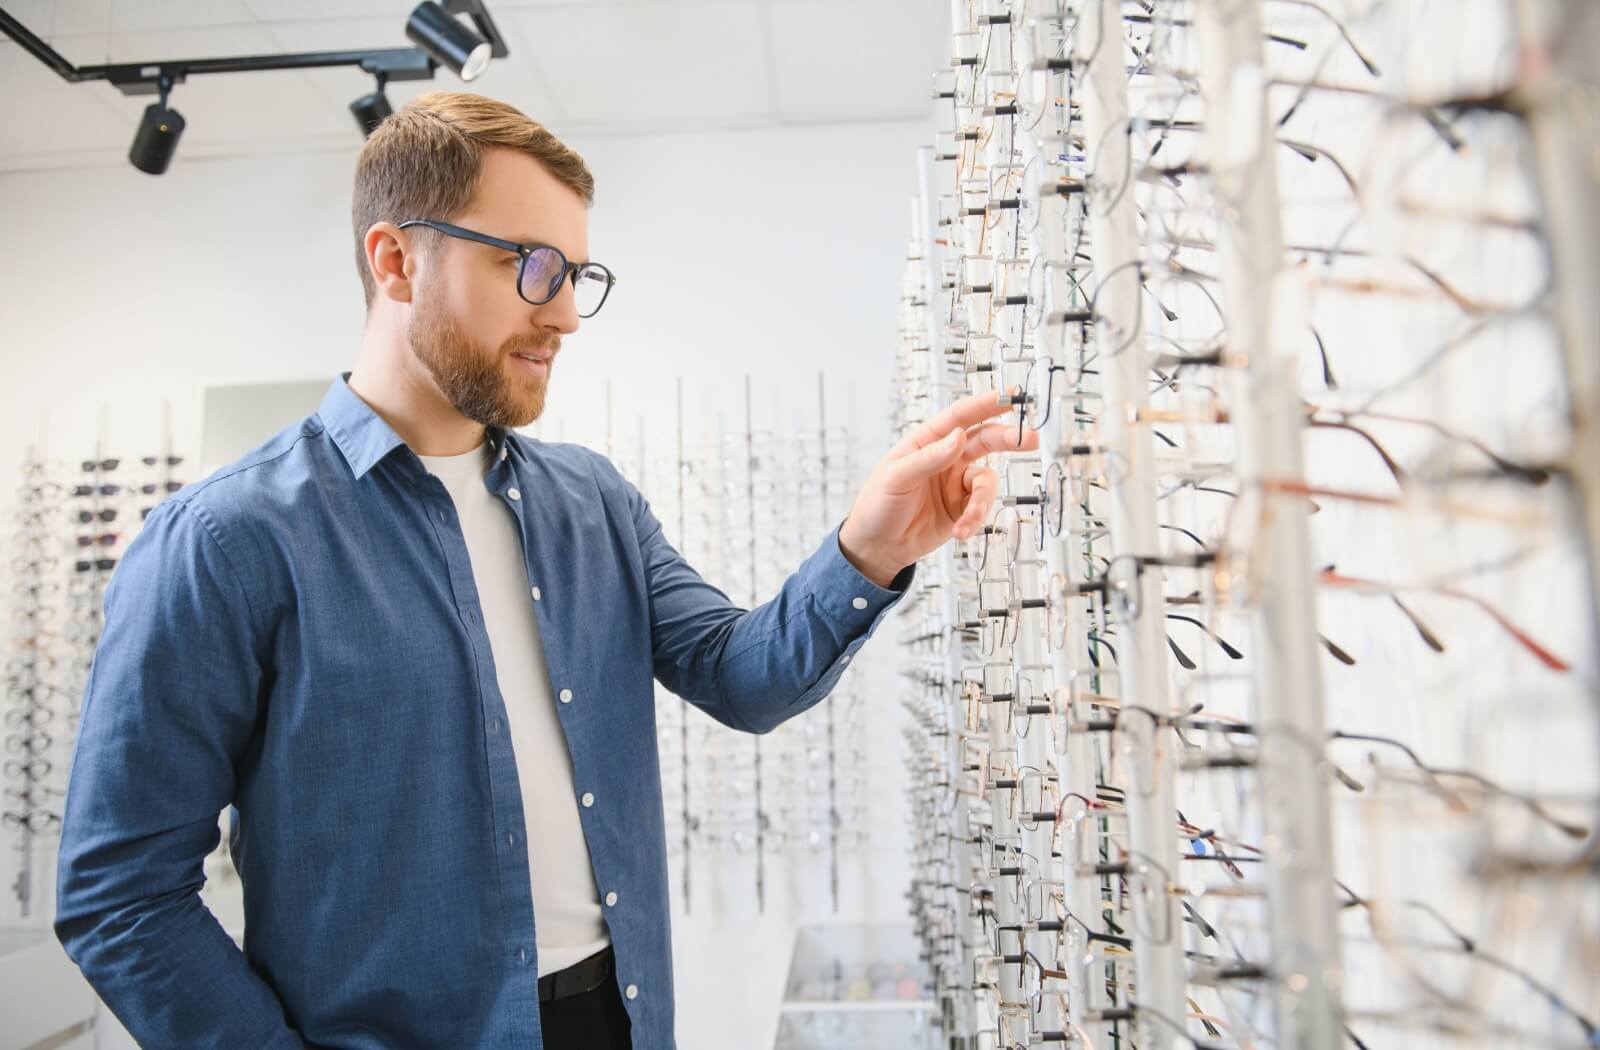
145, 78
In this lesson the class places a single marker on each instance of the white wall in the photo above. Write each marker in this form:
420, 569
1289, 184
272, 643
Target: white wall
773, 252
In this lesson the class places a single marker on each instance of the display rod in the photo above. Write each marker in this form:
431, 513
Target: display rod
1264, 313
1146, 765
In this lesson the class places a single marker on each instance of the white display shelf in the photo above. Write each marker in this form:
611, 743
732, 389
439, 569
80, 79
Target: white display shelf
857, 986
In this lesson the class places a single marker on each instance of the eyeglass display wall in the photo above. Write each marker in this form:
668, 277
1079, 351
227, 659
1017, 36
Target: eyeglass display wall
1264, 710
72, 520
778, 821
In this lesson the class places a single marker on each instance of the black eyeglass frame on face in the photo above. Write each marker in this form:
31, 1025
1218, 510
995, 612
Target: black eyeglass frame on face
570, 270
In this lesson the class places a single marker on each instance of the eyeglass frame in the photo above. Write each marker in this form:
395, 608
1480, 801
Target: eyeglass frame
525, 251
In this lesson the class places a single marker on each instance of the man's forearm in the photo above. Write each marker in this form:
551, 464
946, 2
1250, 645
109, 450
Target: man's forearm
785, 655
173, 976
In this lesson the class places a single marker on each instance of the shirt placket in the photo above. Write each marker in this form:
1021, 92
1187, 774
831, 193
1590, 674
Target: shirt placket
503, 482
510, 827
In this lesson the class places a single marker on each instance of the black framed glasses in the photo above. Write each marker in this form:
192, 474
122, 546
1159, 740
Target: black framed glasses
544, 269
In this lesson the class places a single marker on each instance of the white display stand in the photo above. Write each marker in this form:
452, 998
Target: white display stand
857, 986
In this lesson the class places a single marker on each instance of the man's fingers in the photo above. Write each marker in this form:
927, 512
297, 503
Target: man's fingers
998, 437
972, 409
908, 472
983, 486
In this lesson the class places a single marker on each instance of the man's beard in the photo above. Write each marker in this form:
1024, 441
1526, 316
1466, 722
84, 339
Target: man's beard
478, 384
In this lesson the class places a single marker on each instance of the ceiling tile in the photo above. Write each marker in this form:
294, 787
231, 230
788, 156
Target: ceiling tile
57, 115
654, 65
102, 18
37, 15
529, 5
177, 14
832, 59
337, 34
49, 19
396, 11
400, 10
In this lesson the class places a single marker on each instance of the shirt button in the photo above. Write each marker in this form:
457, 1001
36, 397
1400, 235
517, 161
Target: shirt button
566, 696
588, 800
611, 900
503, 449
513, 493
536, 594
632, 992
859, 603
511, 838
844, 659
444, 517
522, 955
494, 727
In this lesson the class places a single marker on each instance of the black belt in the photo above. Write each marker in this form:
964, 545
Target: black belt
578, 978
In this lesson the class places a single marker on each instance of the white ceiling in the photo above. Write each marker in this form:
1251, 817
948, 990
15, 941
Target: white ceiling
601, 67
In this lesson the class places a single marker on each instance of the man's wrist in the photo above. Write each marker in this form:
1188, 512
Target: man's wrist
873, 569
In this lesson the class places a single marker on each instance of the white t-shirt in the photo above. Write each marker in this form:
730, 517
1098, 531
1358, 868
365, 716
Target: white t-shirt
566, 902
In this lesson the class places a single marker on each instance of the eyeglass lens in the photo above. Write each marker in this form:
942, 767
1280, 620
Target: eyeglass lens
545, 269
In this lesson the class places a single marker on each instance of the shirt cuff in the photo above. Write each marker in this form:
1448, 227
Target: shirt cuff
847, 597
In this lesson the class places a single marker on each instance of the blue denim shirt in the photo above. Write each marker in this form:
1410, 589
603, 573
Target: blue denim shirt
299, 636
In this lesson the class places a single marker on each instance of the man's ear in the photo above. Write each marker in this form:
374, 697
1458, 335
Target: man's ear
392, 258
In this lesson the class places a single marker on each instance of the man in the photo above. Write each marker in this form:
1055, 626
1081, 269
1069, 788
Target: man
414, 649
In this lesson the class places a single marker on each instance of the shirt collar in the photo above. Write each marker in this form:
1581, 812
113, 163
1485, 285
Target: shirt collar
362, 435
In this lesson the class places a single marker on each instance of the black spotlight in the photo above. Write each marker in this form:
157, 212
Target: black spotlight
157, 138
372, 110
448, 40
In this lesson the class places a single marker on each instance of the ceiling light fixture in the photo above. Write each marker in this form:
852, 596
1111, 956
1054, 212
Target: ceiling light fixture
443, 36
372, 110
157, 138
446, 41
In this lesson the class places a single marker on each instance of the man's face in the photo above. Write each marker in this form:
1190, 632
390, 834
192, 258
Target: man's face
468, 325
